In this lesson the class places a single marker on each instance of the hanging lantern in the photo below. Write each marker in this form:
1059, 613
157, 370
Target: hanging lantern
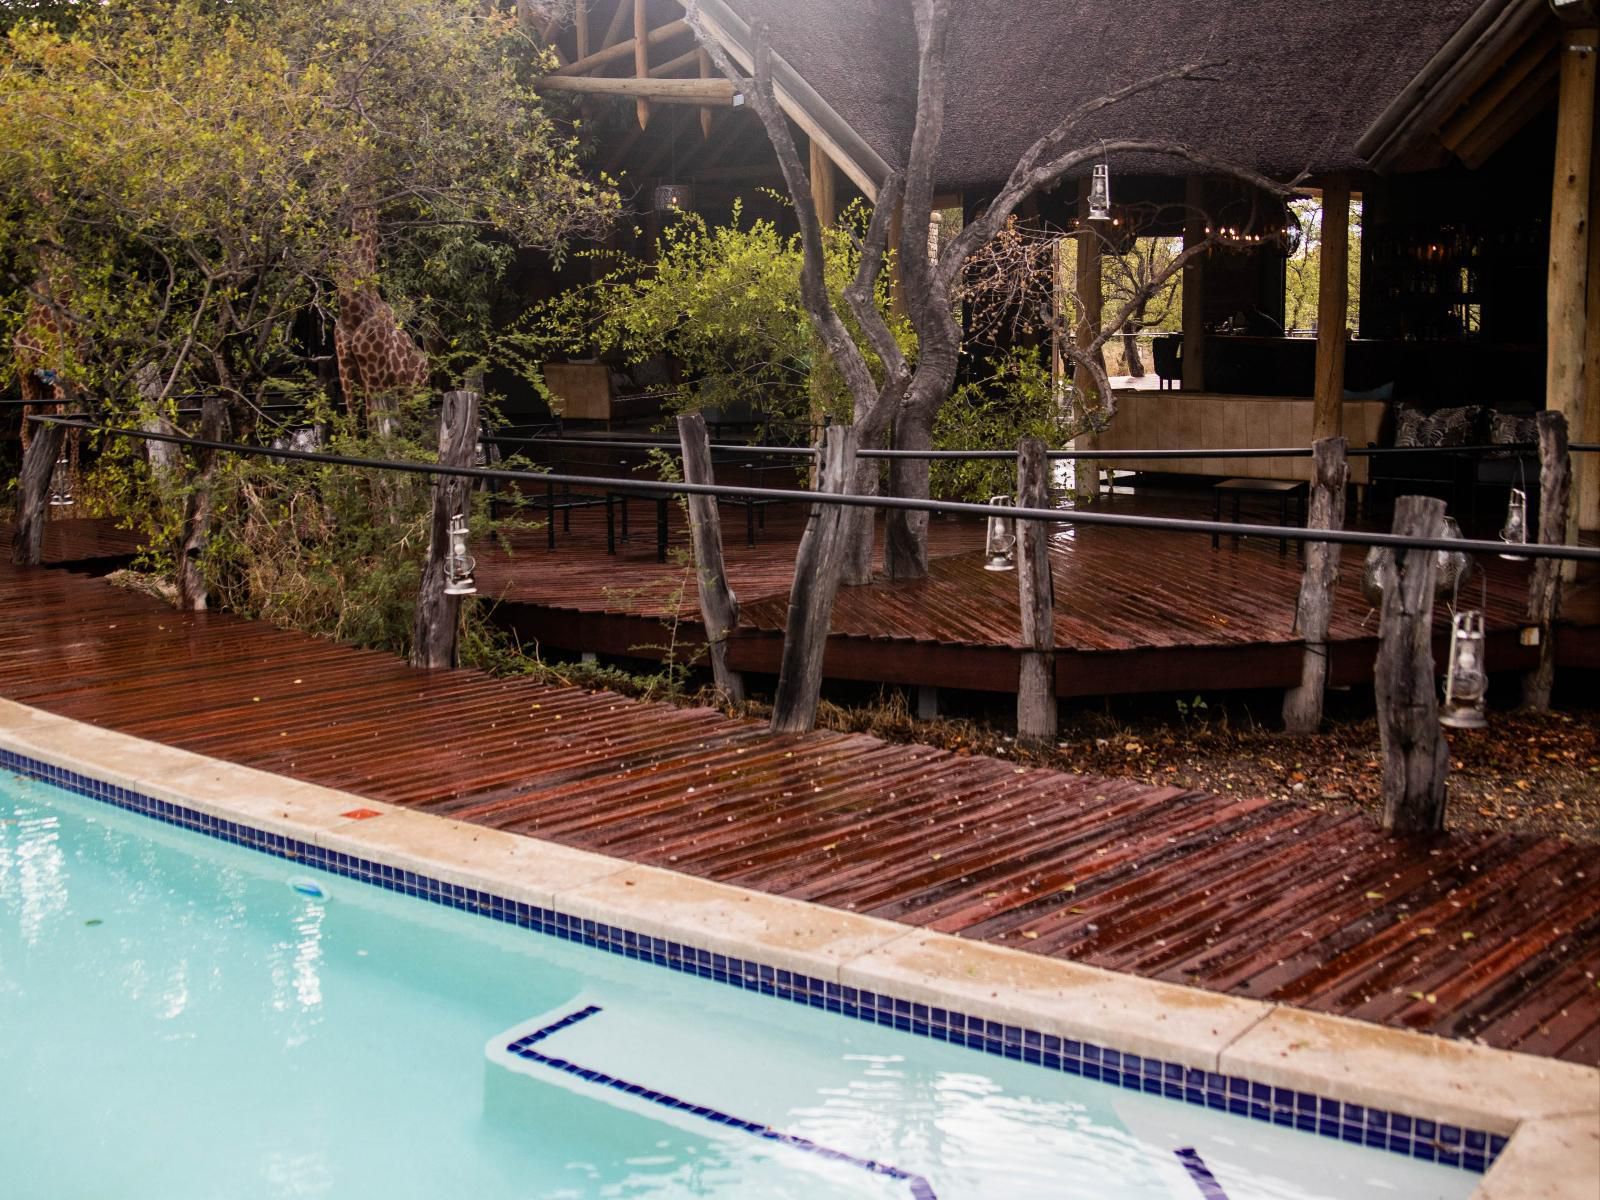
458, 563
1453, 567
674, 198
1515, 531
1100, 193
1000, 547
61, 483
1466, 684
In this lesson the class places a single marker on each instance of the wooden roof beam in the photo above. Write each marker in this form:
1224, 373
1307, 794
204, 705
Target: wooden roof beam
621, 51
641, 53
718, 93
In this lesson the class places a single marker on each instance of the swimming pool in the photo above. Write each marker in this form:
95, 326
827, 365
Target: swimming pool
183, 1017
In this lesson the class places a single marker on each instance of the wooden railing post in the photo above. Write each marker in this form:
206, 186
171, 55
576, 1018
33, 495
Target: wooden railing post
719, 607
197, 509
33, 493
436, 637
1302, 706
1036, 681
817, 569
1544, 589
1415, 755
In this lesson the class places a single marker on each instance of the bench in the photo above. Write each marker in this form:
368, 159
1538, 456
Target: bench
1283, 489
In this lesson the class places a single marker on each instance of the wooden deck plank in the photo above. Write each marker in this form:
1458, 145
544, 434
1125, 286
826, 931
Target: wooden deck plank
1231, 893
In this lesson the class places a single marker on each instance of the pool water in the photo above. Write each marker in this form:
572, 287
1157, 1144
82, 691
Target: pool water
186, 1019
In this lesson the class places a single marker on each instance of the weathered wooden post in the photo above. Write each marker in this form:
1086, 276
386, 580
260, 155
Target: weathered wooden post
719, 607
1415, 756
1302, 706
436, 637
33, 492
197, 509
1036, 681
817, 569
1544, 589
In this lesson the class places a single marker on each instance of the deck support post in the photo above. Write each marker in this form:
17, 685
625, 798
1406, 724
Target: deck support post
1036, 681
1302, 706
719, 607
197, 508
1544, 588
1333, 307
33, 493
1416, 758
1194, 286
1088, 286
817, 570
436, 637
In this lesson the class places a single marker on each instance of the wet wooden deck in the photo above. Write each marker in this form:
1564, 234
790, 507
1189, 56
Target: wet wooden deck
1136, 610
1484, 936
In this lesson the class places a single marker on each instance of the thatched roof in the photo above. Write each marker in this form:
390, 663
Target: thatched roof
1303, 80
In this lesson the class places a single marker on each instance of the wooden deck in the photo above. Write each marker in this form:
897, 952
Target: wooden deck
1136, 610
1494, 937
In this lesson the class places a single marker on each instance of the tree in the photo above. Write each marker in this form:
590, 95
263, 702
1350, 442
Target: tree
201, 166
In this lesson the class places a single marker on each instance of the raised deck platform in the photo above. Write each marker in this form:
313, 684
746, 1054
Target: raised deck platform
1494, 937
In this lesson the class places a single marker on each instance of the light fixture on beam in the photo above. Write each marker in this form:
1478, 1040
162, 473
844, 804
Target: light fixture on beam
1576, 12
1000, 546
1466, 683
1515, 530
1100, 193
458, 564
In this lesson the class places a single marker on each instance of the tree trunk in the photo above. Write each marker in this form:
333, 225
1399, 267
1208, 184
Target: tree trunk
719, 607
816, 582
1130, 351
436, 638
905, 552
197, 510
861, 526
164, 456
33, 493
1302, 706
1415, 756
1036, 683
1544, 590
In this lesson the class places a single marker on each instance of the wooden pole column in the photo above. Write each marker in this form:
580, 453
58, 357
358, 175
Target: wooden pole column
33, 493
1416, 758
1588, 475
817, 569
197, 511
1567, 319
641, 52
1036, 682
1333, 307
1194, 287
436, 638
1544, 589
1302, 706
719, 607
1089, 285
824, 185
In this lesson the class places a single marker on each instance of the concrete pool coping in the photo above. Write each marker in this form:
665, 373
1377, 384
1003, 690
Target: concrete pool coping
1549, 1109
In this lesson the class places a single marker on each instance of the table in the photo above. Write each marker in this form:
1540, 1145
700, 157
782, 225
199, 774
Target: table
1283, 489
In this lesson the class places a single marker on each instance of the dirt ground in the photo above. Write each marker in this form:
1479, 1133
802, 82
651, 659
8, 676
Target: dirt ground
1527, 772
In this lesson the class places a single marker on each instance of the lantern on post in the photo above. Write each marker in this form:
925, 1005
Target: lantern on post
458, 563
1466, 683
1515, 530
61, 483
1000, 546
1100, 193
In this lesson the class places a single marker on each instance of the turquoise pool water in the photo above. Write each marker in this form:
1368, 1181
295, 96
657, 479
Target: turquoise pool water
177, 1020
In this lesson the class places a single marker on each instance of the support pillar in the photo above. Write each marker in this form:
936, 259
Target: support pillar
1089, 287
1194, 287
1333, 306
1567, 317
1587, 478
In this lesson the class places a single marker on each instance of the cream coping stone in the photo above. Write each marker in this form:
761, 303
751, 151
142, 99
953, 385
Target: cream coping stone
1552, 1109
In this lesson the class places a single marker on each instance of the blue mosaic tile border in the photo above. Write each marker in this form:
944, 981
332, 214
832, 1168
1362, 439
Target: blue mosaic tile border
523, 1047
1399, 1133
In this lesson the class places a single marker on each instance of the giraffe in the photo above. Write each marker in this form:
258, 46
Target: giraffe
40, 353
378, 361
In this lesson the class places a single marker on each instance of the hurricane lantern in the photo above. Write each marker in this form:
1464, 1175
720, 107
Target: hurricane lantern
1466, 683
674, 198
61, 483
1000, 547
458, 563
1100, 193
1515, 531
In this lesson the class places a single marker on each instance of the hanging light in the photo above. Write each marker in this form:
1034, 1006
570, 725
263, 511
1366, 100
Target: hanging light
674, 198
1466, 683
1000, 547
1515, 531
1453, 564
61, 483
458, 563
1100, 193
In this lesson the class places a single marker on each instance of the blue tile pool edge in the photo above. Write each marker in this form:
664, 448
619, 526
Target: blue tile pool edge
1400, 1133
